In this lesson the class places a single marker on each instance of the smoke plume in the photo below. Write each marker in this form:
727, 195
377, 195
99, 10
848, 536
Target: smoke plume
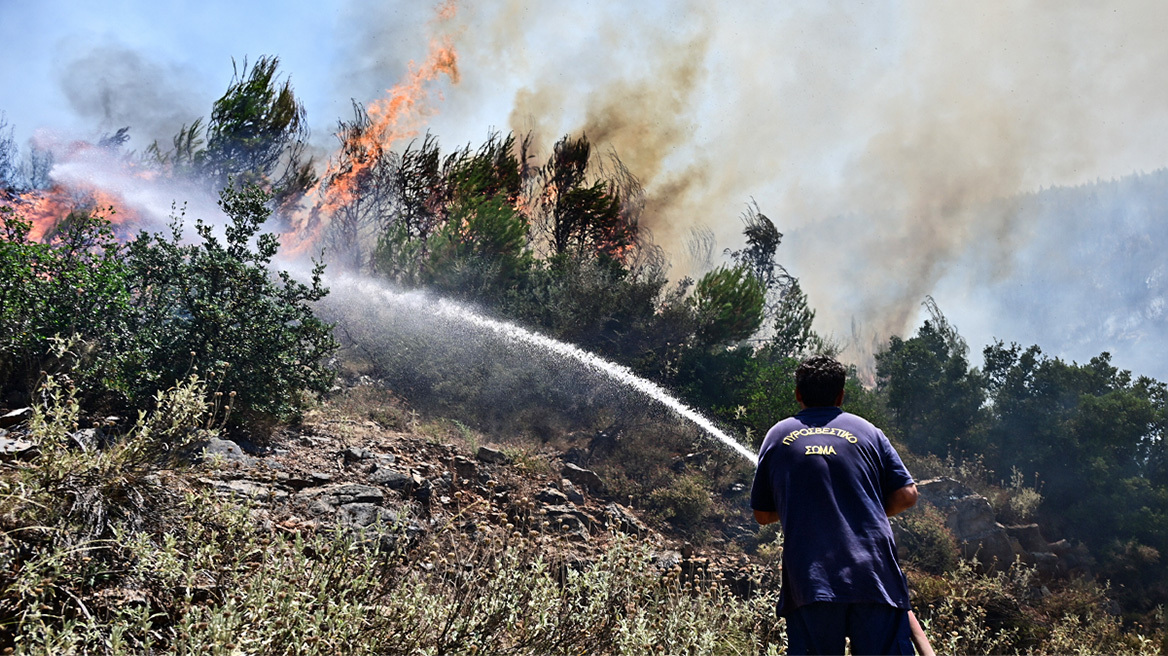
115, 87
894, 145
888, 143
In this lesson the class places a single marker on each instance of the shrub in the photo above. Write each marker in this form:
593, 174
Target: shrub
685, 503
71, 284
972, 613
208, 578
88, 487
214, 307
924, 541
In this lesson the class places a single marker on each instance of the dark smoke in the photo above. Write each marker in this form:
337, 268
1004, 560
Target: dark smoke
115, 87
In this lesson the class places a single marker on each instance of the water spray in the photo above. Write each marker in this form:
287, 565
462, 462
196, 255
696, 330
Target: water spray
447, 309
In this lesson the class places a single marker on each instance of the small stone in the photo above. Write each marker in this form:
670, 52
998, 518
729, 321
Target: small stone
584, 477
15, 417
572, 492
17, 449
391, 478
463, 467
87, 438
365, 514
552, 497
244, 489
575, 455
355, 454
624, 520
569, 520
356, 493
493, 456
666, 560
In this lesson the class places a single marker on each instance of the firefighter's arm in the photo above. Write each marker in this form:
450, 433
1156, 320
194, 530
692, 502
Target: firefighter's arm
901, 500
766, 516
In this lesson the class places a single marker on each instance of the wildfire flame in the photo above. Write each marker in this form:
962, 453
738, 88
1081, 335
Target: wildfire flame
396, 117
45, 209
392, 119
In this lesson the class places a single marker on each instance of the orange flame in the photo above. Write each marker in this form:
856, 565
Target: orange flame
396, 117
392, 119
46, 209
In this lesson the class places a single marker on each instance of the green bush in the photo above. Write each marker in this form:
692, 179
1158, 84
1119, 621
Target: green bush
147, 315
74, 283
214, 307
923, 541
685, 503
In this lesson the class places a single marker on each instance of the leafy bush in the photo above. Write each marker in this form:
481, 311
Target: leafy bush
923, 541
72, 284
685, 502
148, 314
214, 307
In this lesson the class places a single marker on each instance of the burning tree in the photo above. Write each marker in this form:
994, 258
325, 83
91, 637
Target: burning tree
580, 215
256, 135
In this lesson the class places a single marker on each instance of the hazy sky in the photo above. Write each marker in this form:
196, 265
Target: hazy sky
885, 139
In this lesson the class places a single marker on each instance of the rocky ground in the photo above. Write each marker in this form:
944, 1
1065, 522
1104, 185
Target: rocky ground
339, 469
336, 470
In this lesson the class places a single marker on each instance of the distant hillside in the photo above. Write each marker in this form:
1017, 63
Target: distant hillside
1088, 274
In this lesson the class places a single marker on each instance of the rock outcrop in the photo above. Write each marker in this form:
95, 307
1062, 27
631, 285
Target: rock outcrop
980, 537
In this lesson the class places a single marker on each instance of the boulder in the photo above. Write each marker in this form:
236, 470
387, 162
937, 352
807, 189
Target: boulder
943, 492
1029, 538
972, 521
225, 452
585, 478
978, 534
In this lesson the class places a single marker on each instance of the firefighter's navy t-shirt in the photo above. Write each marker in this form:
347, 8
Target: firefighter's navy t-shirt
827, 473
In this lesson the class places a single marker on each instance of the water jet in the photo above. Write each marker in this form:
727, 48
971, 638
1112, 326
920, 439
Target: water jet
351, 294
